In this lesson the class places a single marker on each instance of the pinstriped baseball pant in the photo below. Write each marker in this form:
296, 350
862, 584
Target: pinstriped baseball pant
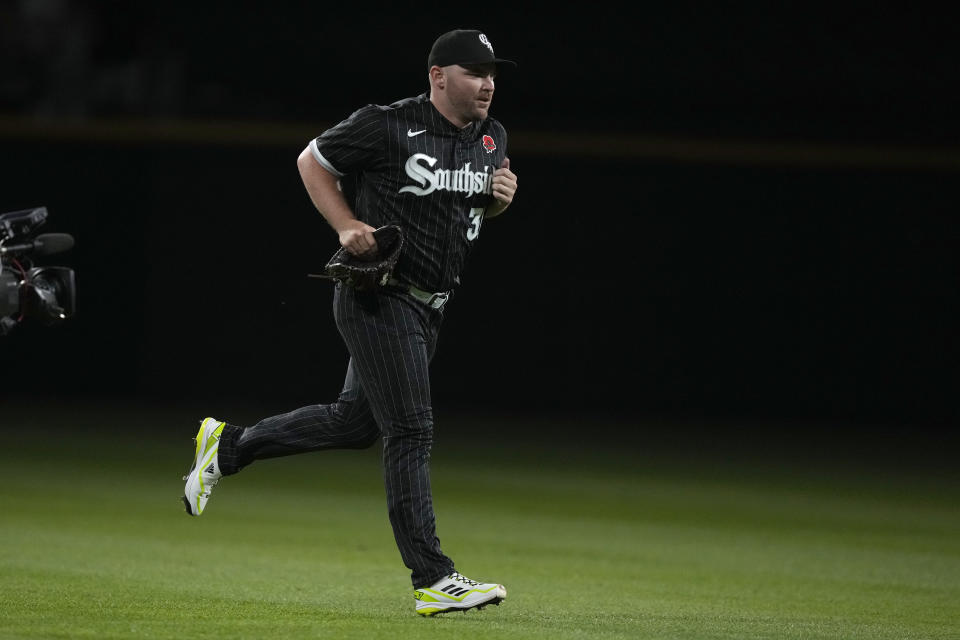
391, 339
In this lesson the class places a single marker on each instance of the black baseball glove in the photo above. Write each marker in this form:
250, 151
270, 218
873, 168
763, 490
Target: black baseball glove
367, 273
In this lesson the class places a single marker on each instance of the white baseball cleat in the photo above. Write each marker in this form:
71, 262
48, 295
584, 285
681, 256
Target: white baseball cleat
457, 593
205, 472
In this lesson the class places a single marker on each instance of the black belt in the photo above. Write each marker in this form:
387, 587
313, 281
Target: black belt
432, 300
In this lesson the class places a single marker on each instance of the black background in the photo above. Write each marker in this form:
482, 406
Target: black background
814, 279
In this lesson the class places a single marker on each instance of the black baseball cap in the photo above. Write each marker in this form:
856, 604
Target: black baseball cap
463, 47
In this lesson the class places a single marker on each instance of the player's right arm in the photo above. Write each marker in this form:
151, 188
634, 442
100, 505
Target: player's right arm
355, 236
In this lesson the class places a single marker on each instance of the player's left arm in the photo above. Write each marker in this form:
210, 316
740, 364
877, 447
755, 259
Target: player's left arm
504, 187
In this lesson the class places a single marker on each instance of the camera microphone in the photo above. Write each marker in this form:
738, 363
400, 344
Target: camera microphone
43, 245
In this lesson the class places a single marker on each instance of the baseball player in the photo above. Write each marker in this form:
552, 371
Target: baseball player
436, 166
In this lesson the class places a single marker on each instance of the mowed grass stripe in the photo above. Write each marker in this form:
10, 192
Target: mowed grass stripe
94, 543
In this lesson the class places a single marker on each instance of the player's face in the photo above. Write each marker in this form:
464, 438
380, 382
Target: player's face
469, 91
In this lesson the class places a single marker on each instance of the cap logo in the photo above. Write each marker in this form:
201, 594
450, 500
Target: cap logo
488, 144
486, 42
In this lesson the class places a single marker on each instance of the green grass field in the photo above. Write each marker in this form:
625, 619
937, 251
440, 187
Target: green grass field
591, 541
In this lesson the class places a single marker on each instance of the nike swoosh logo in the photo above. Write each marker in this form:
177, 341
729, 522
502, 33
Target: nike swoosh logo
410, 133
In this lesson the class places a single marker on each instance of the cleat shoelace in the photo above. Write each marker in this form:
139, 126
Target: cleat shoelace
459, 577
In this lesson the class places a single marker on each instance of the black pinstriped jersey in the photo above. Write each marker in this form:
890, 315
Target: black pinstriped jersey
414, 168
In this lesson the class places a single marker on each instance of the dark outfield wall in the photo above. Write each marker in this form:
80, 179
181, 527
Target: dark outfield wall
629, 286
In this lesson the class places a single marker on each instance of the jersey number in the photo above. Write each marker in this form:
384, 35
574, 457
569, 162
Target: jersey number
476, 219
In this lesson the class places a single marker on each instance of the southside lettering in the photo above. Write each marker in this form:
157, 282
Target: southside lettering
463, 180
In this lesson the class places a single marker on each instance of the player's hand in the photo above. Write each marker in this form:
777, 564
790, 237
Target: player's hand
504, 183
357, 238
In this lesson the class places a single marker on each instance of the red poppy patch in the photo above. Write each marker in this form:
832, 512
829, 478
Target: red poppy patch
488, 144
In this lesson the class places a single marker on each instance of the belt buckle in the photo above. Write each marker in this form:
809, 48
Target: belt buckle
437, 300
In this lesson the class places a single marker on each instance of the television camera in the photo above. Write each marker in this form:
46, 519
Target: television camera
46, 294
